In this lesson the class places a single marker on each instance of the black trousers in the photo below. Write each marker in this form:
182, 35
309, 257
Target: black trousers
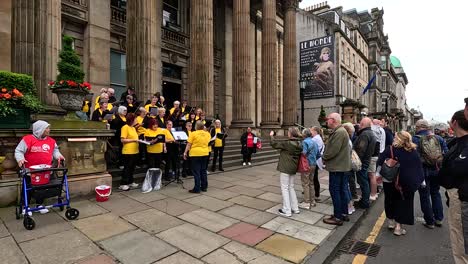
316, 182
171, 159
130, 162
247, 155
397, 206
218, 151
154, 160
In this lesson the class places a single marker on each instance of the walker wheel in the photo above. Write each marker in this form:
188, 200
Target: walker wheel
29, 223
72, 213
18, 212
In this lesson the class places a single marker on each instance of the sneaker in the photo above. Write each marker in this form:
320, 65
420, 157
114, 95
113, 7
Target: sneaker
133, 185
373, 197
243, 164
304, 205
296, 212
149, 190
428, 226
250, 163
317, 198
438, 223
124, 187
356, 198
281, 212
391, 224
399, 232
313, 204
351, 210
43, 210
29, 213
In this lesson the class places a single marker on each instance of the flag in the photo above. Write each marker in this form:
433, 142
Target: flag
368, 85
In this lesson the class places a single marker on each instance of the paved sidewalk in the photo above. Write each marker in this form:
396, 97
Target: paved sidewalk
236, 221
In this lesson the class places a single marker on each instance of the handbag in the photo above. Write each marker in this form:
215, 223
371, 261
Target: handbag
356, 163
390, 168
303, 164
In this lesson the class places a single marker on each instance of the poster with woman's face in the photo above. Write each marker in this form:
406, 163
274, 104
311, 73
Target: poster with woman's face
317, 67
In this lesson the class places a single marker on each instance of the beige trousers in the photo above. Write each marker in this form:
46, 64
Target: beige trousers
307, 179
455, 226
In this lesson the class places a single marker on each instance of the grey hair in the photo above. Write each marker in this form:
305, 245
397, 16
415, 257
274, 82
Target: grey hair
121, 109
199, 125
349, 127
177, 102
294, 131
306, 133
142, 109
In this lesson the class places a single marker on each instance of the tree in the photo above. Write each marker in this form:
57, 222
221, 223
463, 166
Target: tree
69, 65
322, 117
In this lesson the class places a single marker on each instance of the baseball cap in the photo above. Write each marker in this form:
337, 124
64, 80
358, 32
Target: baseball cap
422, 123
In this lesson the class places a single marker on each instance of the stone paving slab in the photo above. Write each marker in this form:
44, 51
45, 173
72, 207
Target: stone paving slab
65, 247
119, 204
286, 247
221, 194
298, 230
137, 247
306, 216
208, 202
246, 233
102, 226
272, 197
179, 258
86, 208
188, 238
245, 190
46, 224
10, 252
99, 259
252, 202
209, 220
247, 214
250, 184
323, 208
268, 259
221, 256
3, 231
218, 184
153, 221
177, 192
226, 178
173, 206
272, 189
243, 252
144, 197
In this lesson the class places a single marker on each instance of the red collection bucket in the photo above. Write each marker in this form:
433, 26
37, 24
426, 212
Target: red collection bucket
40, 178
102, 193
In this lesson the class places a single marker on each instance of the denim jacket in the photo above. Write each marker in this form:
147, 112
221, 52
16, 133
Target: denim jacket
310, 149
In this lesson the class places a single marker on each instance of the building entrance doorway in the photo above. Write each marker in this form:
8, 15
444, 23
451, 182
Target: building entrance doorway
171, 92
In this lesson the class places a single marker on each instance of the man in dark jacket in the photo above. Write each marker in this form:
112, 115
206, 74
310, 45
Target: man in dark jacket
454, 178
388, 132
364, 145
429, 193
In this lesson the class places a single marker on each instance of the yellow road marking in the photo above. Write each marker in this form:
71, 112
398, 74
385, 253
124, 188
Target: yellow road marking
361, 259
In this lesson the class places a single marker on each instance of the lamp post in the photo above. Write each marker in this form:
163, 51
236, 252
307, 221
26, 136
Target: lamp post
302, 85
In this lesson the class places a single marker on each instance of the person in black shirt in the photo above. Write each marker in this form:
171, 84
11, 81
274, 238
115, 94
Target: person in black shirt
101, 112
130, 91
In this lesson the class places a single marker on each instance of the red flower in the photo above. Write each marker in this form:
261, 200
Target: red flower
16, 93
7, 96
4, 90
61, 82
51, 83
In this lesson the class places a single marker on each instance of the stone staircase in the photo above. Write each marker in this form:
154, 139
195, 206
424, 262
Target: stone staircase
232, 154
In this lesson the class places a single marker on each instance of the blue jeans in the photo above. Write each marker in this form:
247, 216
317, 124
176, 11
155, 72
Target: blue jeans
429, 197
338, 193
199, 166
363, 181
348, 176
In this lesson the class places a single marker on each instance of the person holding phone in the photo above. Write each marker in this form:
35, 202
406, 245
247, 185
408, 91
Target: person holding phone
100, 113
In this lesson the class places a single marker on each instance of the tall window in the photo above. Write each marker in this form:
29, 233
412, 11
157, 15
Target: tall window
171, 13
118, 72
383, 62
353, 62
347, 56
342, 52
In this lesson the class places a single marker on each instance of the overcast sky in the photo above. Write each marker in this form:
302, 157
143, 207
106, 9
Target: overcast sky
429, 37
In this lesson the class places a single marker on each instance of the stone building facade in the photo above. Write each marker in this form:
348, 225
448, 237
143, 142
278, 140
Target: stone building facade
235, 59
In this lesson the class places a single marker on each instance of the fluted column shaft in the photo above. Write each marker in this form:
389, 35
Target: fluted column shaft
36, 40
144, 47
290, 73
201, 70
241, 88
270, 118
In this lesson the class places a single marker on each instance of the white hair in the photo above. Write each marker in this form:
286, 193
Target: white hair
121, 109
176, 102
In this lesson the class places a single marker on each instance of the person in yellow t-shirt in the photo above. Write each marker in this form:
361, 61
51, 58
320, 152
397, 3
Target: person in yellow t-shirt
129, 139
197, 148
155, 150
96, 102
219, 143
140, 119
176, 105
154, 101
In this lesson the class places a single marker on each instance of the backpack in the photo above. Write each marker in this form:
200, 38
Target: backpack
430, 150
356, 163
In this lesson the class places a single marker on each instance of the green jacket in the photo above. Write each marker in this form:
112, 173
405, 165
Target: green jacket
290, 151
337, 155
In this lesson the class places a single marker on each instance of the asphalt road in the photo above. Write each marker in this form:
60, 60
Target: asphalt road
419, 246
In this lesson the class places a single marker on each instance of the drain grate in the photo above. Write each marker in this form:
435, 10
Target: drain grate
352, 246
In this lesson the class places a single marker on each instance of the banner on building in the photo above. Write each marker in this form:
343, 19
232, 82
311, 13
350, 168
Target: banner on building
317, 67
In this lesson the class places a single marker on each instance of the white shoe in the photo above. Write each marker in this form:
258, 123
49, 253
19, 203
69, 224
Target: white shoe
391, 224
133, 185
281, 212
304, 205
29, 213
243, 164
121, 167
43, 210
250, 163
373, 197
296, 212
351, 210
124, 187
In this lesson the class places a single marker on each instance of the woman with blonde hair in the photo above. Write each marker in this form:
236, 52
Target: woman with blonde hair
399, 192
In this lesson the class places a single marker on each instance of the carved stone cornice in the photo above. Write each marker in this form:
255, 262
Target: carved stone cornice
290, 5
75, 10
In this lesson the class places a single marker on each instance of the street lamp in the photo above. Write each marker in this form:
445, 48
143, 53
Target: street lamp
302, 86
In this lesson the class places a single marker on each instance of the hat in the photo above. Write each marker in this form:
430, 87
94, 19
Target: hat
422, 123
131, 88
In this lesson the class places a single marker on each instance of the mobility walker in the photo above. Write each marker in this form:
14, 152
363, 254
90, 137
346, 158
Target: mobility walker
56, 183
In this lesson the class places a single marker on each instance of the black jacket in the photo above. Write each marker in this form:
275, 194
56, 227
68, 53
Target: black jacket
364, 144
96, 115
454, 170
213, 131
161, 124
388, 136
243, 141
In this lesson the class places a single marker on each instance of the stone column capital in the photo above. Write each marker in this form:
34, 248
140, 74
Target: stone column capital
290, 5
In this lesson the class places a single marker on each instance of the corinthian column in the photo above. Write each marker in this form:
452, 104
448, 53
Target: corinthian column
270, 118
290, 81
201, 75
241, 65
36, 38
144, 46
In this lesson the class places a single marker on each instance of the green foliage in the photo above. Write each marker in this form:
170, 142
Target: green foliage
25, 85
69, 65
23, 82
322, 117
